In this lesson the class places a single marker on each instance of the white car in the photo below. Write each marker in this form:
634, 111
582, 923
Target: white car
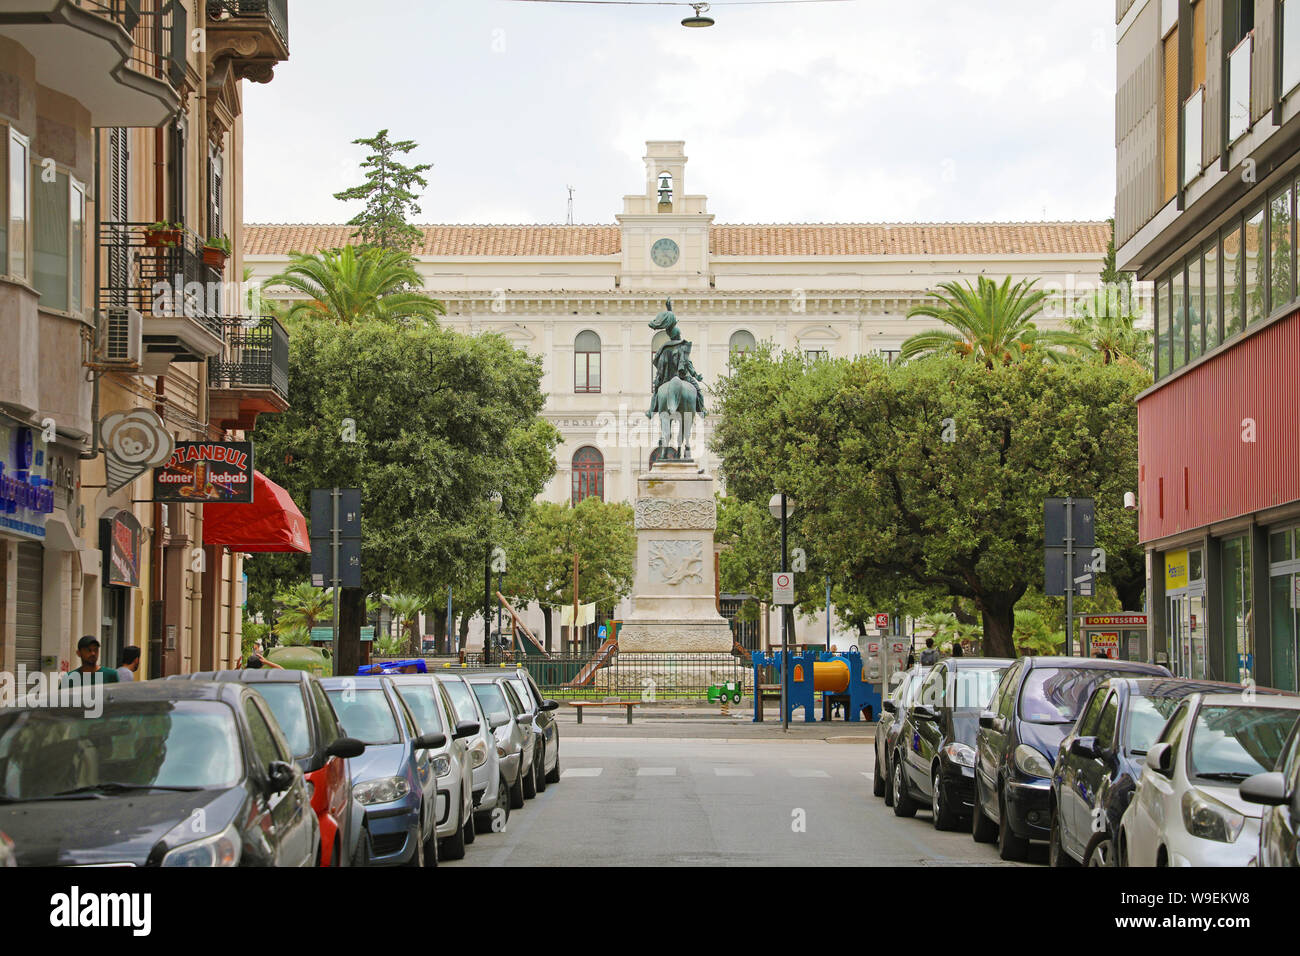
1186, 810
491, 792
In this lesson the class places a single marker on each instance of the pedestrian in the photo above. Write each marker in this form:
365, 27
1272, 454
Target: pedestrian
929, 656
128, 662
89, 671
956, 649
911, 661
256, 660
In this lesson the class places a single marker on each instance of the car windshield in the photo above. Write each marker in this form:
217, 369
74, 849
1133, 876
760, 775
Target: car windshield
424, 707
365, 714
1147, 716
187, 743
290, 713
462, 700
521, 688
493, 701
973, 687
1053, 695
1233, 743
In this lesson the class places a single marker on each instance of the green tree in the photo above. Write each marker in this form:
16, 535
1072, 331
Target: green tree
303, 607
991, 323
389, 195
1034, 636
349, 285
407, 608
1106, 321
929, 477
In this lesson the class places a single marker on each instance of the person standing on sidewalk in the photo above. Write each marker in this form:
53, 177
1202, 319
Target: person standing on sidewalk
89, 671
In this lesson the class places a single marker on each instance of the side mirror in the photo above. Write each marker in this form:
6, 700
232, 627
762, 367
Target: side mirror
466, 728
346, 747
550, 704
889, 707
986, 719
1266, 788
1084, 747
499, 722
1160, 758
429, 741
279, 775
924, 712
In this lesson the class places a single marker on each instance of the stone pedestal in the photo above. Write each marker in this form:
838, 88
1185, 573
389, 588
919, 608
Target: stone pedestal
673, 602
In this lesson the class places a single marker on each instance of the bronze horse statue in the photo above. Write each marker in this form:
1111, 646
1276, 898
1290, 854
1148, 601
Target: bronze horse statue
678, 396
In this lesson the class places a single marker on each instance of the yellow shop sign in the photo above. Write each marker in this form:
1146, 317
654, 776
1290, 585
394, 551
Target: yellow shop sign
1175, 570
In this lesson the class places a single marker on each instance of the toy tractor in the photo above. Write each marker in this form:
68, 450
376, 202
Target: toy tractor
722, 692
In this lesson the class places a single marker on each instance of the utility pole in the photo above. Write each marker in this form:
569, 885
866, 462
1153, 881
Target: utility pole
573, 629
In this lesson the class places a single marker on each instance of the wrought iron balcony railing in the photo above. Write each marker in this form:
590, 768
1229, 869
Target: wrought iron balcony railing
257, 356
276, 12
160, 281
159, 32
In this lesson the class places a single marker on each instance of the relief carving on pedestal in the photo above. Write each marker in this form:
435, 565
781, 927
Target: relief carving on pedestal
672, 562
673, 514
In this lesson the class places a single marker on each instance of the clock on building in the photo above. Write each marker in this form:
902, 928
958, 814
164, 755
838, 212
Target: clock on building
664, 253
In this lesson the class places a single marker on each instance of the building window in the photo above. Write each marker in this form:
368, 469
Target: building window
1210, 279
741, 343
1195, 327
1280, 251
1234, 281
216, 183
1178, 322
1162, 328
1256, 287
815, 355
1236, 589
586, 362
18, 204
588, 474
58, 229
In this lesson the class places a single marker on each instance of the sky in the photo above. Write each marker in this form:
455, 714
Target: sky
857, 111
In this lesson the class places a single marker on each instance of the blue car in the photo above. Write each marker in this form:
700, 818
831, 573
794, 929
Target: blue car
394, 780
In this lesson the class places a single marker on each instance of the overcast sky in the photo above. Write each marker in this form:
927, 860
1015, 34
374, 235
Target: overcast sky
859, 111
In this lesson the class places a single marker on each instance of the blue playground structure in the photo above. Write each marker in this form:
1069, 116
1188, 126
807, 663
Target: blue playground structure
839, 677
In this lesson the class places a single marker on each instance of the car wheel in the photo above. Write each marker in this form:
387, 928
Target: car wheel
484, 820
1010, 846
944, 818
530, 780
1101, 851
470, 831
982, 829
361, 855
904, 805
517, 790
554, 775
431, 847
888, 783
877, 780
1056, 855
417, 858
453, 847
539, 772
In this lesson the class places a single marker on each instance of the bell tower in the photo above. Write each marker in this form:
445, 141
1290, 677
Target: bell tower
665, 230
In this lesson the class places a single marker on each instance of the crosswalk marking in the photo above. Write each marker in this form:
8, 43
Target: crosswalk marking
581, 772
656, 771
809, 773
733, 772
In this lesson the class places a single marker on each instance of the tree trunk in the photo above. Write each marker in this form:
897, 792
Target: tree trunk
464, 629
352, 614
999, 628
546, 620
412, 626
440, 630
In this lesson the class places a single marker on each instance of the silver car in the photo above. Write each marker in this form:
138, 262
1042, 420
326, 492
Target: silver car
491, 792
514, 734
452, 764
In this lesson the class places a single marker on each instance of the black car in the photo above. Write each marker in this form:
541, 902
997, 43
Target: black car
1037, 702
1100, 761
893, 709
1279, 792
170, 774
934, 755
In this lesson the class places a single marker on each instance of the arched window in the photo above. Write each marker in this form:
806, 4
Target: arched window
588, 474
586, 362
742, 342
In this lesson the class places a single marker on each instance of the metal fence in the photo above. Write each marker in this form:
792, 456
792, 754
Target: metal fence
637, 676
257, 355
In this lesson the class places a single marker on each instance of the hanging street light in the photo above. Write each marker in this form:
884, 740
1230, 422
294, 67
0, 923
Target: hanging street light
699, 20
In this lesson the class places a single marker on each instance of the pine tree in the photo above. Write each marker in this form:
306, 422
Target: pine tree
388, 194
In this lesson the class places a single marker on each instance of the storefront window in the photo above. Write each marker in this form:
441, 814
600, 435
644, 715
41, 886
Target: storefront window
1185, 613
1234, 278
1256, 272
1284, 607
1238, 657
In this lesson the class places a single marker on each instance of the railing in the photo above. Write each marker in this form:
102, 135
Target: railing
257, 356
159, 30
275, 11
638, 676
1239, 89
160, 281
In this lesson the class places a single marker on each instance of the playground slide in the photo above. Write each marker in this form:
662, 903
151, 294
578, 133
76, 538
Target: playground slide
601, 657
520, 628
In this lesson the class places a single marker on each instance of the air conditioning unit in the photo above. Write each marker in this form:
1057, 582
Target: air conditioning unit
122, 344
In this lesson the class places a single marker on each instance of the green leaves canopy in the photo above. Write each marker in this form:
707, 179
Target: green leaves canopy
346, 285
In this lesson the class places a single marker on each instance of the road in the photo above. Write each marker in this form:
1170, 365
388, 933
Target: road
699, 799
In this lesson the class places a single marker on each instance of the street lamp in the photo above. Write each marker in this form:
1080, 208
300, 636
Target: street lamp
781, 508
494, 508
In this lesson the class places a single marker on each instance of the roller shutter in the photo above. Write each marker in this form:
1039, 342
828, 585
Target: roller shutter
30, 593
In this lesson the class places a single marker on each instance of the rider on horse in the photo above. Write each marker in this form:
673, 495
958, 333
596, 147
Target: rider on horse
672, 358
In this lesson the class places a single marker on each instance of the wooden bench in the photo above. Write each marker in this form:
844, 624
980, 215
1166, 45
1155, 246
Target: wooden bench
580, 704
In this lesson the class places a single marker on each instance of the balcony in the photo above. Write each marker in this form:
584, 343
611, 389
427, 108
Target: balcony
252, 36
253, 375
124, 60
179, 298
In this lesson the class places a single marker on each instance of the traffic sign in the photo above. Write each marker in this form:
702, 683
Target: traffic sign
1082, 521
882, 621
783, 587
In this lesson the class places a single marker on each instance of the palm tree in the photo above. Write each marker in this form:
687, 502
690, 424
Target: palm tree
407, 608
1111, 329
991, 322
346, 285
304, 607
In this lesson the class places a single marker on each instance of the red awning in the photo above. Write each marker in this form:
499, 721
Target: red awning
272, 522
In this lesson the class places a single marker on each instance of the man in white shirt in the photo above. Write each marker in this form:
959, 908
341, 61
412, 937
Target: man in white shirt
128, 663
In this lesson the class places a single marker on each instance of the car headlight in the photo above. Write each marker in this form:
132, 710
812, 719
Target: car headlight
383, 790
478, 753
220, 850
1032, 763
311, 790
1207, 818
441, 766
960, 754
501, 751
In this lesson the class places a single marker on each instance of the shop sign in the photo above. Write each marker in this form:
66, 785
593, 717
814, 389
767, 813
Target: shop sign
1115, 620
26, 495
1175, 570
134, 442
120, 542
1106, 642
201, 471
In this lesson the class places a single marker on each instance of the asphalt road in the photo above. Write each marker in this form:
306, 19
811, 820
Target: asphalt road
702, 799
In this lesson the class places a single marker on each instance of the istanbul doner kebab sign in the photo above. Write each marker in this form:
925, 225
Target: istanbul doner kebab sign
200, 471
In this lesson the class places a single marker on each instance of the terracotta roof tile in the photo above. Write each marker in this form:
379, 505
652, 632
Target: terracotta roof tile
810, 239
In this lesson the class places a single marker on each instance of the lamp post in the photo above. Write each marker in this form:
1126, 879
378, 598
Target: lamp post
781, 508
493, 509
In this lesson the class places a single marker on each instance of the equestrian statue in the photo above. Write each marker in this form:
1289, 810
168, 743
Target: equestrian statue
677, 392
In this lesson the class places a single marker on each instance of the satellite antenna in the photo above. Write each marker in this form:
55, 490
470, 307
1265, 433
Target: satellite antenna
569, 220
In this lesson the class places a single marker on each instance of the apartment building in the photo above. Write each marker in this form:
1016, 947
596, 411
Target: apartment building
123, 163
1208, 169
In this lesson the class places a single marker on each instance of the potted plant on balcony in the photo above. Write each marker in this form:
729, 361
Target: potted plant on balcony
215, 252
163, 235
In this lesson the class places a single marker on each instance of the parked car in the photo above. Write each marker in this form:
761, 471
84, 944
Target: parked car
894, 707
1020, 733
7, 858
491, 792
933, 760
514, 743
1187, 809
1100, 760
320, 749
545, 728
172, 773
451, 762
1278, 792
394, 779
